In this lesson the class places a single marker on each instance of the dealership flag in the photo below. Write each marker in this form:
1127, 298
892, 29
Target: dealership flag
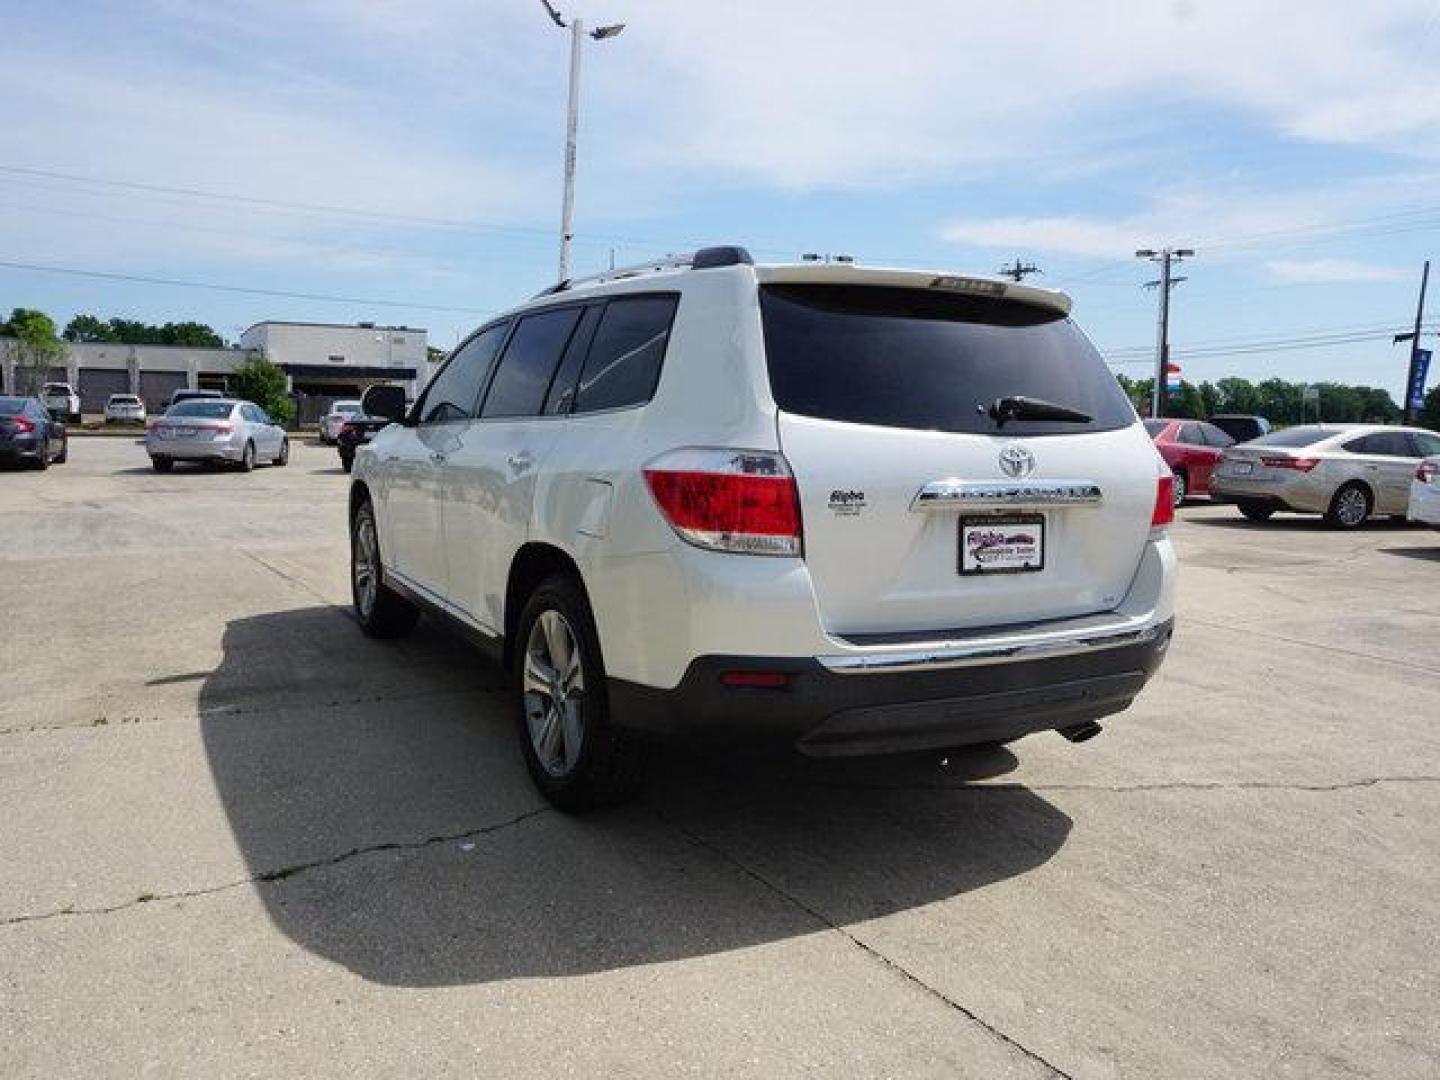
1416, 389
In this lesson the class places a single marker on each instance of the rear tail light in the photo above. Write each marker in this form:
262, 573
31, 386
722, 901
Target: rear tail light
1164, 510
1428, 472
1299, 464
22, 425
224, 428
743, 501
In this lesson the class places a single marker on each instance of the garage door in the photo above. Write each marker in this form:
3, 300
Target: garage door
157, 386
97, 384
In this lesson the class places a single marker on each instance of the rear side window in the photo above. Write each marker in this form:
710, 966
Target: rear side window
1214, 436
1382, 443
1190, 435
623, 365
1155, 427
913, 358
455, 390
1427, 443
12, 406
529, 363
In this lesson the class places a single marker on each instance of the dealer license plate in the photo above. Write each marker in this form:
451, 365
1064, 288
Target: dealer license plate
1241, 468
1004, 544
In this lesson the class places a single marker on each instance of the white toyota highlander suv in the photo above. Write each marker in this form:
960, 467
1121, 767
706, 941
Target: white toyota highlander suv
864, 510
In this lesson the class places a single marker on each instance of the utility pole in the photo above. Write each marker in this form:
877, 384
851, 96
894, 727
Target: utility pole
1165, 257
572, 120
1017, 270
1412, 373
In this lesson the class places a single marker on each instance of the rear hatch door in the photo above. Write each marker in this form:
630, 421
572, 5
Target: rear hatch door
923, 511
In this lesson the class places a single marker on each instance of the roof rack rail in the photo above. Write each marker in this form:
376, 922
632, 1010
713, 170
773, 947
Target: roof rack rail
706, 258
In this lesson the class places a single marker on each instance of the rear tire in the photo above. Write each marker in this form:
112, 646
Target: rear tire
347, 461
1182, 487
283, 457
1255, 511
577, 758
381, 612
247, 458
42, 459
161, 464
64, 455
1350, 507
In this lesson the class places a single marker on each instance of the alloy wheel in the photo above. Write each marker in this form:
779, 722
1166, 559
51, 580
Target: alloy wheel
1351, 507
365, 565
554, 693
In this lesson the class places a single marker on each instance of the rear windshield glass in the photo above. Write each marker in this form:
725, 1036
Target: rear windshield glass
210, 410
1295, 436
345, 407
124, 399
914, 358
11, 406
1154, 427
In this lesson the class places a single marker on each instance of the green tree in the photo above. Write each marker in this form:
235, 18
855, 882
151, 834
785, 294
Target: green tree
1430, 411
1238, 396
87, 328
194, 334
260, 380
36, 348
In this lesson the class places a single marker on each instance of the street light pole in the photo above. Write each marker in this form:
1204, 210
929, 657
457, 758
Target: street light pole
572, 120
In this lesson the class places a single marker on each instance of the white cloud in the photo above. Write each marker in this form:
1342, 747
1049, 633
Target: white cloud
1324, 271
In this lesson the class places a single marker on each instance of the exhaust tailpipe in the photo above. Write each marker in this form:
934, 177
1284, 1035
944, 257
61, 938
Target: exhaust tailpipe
1082, 732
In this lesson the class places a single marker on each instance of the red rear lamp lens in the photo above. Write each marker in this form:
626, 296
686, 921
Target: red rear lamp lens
773, 680
1164, 511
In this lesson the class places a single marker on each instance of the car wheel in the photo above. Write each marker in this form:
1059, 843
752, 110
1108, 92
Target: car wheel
42, 459
283, 458
247, 457
161, 464
1255, 511
577, 758
381, 612
64, 455
1182, 487
1350, 506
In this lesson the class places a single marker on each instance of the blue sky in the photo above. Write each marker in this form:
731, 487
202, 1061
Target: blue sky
1295, 145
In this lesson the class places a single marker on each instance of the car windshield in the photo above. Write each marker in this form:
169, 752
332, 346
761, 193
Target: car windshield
208, 410
1296, 436
932, 360
11, 406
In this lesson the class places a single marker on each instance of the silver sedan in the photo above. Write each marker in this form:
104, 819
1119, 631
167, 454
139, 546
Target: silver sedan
225, 430
1345, 471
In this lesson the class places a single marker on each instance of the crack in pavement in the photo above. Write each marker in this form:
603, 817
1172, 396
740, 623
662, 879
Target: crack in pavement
280, 873
292, 580
1119, 789
1241, 628
869, 950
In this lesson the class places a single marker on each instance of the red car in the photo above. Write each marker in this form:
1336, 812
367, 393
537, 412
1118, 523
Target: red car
1191, 448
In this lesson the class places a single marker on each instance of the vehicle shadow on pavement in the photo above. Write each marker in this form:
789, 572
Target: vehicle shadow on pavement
1300, 523
378, 797
1425, 554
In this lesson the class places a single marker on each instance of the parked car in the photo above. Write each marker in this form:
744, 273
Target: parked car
184, 394
1425, 493
1241, 428
208, 430
357, 432
865, 510
62, 401
1345, 471
30, 434
124, 409
338, 413
1191, 448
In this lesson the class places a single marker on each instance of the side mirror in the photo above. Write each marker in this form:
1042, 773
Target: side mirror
385, 401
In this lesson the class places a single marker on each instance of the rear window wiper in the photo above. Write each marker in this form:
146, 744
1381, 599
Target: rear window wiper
1027, 408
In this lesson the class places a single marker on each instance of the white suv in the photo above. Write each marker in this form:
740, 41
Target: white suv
864, 510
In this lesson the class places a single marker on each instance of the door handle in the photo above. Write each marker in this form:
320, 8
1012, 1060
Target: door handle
437, 457
520, 461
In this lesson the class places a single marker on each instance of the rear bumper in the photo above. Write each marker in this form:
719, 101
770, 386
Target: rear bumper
922, 702
195, 449
1302, 493
22, 449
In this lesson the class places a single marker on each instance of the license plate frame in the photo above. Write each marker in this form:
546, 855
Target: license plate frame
980, 555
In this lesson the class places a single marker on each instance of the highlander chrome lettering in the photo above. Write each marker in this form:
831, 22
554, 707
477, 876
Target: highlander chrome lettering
972, 494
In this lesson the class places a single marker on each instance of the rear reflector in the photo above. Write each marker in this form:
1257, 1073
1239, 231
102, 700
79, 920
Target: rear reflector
1280, 461
1164, 511
768, 679
742, 501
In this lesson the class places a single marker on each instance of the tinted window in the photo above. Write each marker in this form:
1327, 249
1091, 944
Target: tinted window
561, 397
915, 358
1155, 427
1190, 435
455, 390
1427, 443
1295, 436
210, 410
1214, 436
11, 406
1383, 443
529, 363
624, 361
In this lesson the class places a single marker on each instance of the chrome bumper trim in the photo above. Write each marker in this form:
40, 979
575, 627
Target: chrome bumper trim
955, 494
994, 651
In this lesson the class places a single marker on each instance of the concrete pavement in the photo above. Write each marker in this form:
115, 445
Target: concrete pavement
237, 838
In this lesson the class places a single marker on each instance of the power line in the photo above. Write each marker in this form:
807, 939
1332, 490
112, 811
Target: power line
177, 282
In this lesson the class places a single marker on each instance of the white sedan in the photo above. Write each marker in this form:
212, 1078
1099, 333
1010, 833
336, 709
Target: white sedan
1425, 493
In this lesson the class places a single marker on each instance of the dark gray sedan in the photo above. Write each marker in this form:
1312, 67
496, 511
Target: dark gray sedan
28, 433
